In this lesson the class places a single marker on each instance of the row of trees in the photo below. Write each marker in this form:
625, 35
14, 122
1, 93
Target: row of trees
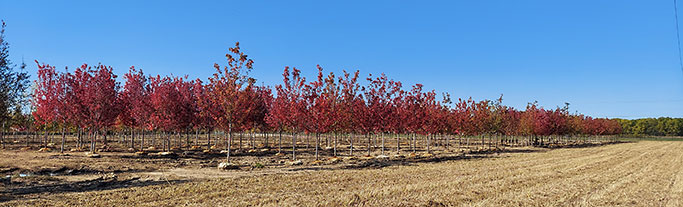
663, 126
90, 101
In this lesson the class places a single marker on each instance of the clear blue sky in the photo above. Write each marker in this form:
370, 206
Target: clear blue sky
606, 58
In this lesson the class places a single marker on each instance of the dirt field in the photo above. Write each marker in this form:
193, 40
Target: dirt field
645, 173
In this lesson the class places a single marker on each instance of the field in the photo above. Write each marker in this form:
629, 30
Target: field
646, 173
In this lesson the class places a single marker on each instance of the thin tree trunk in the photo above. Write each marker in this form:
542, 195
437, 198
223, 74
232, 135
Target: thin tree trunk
196, 137
293, 146
448, 140
187, 139
230, 141
154, 135
132, 138
279, 146
80, 138
240, 147
179, 137
351, 141
398, 143
414, 142
253, 140
382, 143
28, 137
317, 143
2, 135
369, 142
208, 139
308, 141
429, 143
93, 142
327, 141
44, 140
163, 142
142, 140
61, 150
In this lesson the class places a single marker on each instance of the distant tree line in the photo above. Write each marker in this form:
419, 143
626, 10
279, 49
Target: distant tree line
663, 126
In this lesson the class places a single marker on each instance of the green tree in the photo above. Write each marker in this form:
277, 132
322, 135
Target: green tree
12, 83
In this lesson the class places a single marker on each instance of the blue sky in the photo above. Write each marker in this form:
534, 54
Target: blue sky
606, 58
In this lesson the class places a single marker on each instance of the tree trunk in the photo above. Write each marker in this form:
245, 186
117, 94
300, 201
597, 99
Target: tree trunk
293, 146
154, 136
93, 141
253, 140
482, 141
208, 139
196, 137
142, 140
27, 139
369, 142
43, 141
279, 146
230, 141
187, 138
448, 140
61, 150
240, 147
2, 135
414, 143
132, 138
317, 143
163, 143
398, 143
429, 143
382, 143
351, 141
308, 141
80, 138
327, 141
179, 139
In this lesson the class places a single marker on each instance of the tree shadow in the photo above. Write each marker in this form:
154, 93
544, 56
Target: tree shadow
584, 145
472, 155
382, 163
12, 193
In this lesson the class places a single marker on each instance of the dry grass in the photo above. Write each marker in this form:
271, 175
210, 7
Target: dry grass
631, 174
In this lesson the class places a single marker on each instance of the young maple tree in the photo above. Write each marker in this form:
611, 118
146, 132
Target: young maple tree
49, 97
136, 107
278, 113
172, 116
289, 105
92, 99
320, 100
349, 105
101, 99
224, 88
207, 109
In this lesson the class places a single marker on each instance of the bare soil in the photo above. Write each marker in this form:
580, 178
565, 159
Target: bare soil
633, 174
